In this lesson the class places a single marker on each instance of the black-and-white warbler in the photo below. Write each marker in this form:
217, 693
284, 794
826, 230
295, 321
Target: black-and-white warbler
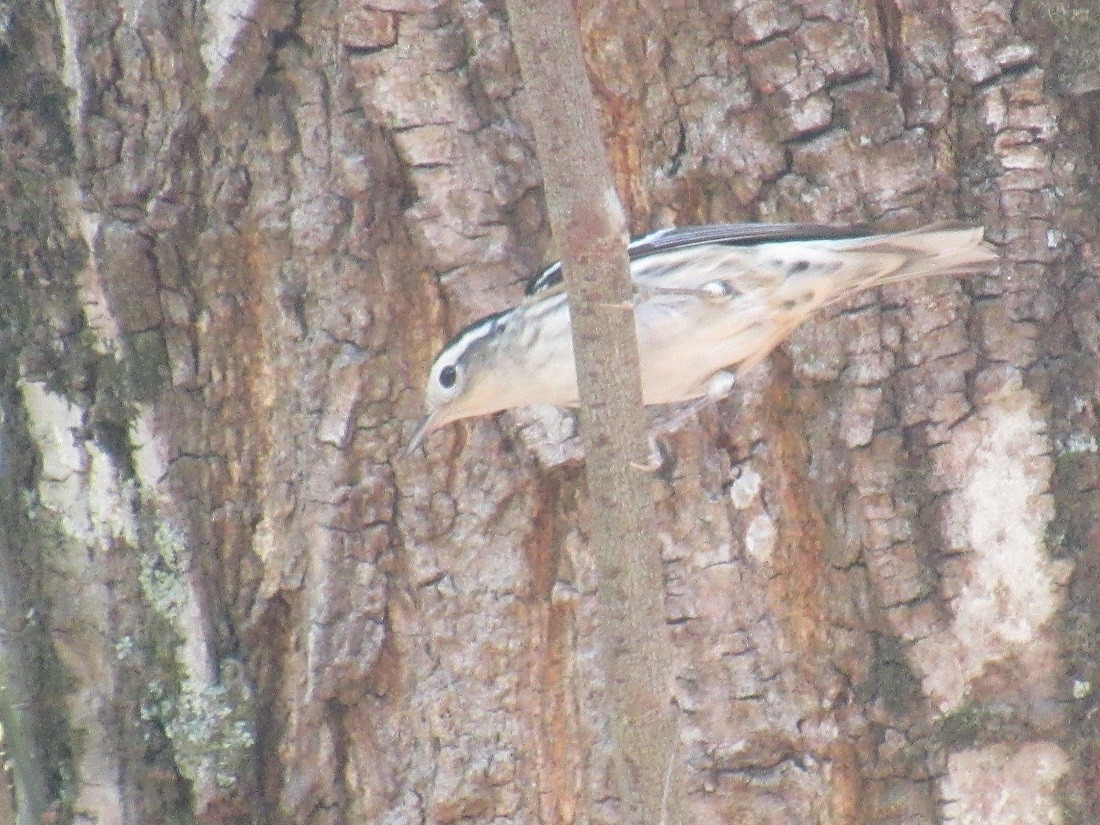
707, 298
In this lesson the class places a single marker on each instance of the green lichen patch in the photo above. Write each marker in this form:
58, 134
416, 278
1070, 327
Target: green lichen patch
208, 722
163, 573
210, 727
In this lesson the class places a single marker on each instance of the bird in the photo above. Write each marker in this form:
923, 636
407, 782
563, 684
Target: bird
707, 299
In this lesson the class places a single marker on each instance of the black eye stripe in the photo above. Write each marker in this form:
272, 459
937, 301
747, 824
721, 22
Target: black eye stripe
447, 377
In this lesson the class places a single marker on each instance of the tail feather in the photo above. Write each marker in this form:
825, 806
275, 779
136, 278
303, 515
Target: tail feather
859, 264
933, 250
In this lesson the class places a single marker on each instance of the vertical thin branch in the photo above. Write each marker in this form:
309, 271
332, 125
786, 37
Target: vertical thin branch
588, 222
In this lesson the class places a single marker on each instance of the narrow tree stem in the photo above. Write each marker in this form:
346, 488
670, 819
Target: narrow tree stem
589, 225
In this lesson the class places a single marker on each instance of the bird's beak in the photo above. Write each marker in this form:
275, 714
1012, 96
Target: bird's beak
426, 425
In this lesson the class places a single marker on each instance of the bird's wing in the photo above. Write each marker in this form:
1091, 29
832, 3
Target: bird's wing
724, 234
737, 234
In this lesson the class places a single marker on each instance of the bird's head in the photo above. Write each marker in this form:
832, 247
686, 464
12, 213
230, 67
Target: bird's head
464, 379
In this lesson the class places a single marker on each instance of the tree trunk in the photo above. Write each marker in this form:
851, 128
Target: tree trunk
233, 236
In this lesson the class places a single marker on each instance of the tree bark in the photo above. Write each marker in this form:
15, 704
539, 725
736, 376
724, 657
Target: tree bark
232, 237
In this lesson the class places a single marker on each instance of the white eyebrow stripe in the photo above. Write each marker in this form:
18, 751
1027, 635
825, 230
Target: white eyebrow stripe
547, 277
477, 331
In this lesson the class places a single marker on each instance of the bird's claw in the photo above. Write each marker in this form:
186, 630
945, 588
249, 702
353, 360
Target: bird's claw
655, 461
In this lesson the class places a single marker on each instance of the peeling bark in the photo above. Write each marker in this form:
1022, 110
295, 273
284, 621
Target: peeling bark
233, 236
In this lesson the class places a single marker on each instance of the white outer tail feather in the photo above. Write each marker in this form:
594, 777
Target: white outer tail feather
932, 250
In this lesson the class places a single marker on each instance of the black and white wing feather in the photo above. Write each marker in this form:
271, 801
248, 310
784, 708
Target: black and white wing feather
720, 234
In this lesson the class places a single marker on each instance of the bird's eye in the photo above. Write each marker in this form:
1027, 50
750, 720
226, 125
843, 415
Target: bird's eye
447, 377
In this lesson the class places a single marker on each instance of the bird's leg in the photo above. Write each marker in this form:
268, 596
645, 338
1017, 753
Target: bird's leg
716, 292
718, 386
631, 304
656, 460
638, 296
